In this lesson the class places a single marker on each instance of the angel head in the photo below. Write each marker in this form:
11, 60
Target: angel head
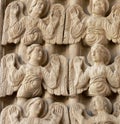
99, 54
38, 8
100, 103
36, 107
36, 54
98, 7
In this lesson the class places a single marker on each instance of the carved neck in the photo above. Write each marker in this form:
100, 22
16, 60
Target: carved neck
33, 115
34, 63
101, 112
34, 15
97, 15
99, 63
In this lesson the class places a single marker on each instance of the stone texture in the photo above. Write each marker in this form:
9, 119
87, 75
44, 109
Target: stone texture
60, 62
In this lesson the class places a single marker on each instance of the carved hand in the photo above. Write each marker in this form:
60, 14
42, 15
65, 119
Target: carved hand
77, 111
11, 61
55, 61
57, 112
55, 16
15, 9
74, 13
13, 113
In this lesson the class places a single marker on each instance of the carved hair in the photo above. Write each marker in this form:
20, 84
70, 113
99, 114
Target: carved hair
31, 102
90, 5
32, 47
104, 53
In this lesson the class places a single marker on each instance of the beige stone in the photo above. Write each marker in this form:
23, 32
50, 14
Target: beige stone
60, 62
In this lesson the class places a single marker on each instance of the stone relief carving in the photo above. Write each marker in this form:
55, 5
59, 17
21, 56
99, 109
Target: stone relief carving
99, 77
60, 62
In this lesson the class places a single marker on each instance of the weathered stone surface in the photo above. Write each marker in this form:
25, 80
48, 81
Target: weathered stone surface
60, 62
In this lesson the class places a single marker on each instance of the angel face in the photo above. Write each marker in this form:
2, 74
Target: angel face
37, 7
35, 53
99, 53
95, 54
98, 7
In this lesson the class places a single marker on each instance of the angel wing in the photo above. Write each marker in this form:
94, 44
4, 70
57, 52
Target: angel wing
8, 112
51, 71
5, 86
54, 30
116, 107
115, 68
6, 83
58, 113
76, 113
55, 75
20, 12
76, 65
74, 27
114, 18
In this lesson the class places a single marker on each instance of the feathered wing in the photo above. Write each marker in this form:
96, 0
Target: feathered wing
57, 114
76, 113
8, 84
5, 86
114, 74
55, 75
77, 66
4, 119
53, 32
6, 26
8, 112
74, 28
114, 19
51, 72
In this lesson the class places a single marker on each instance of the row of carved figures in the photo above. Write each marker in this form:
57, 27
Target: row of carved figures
60, 76
36, 111
61, 25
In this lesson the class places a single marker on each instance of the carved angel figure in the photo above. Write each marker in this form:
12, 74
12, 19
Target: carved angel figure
28, 78
27, 29
35, 113
74, 14
98, 78
102, 106
95, 28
